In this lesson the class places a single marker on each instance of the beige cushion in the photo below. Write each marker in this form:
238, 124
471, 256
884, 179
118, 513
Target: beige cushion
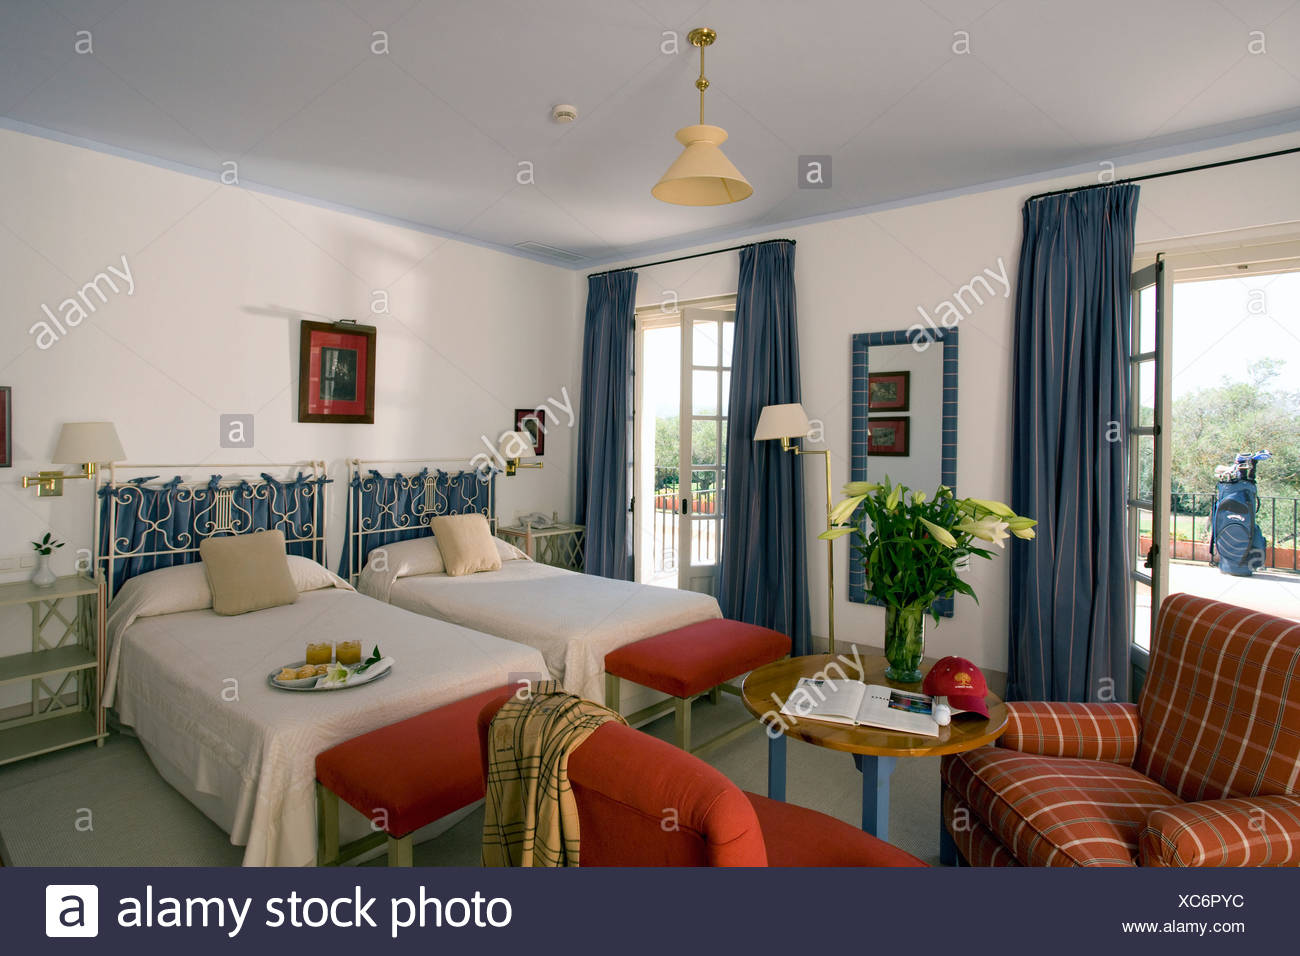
466, 544
248, 572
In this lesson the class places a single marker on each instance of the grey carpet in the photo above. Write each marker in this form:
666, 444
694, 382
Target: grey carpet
138, 820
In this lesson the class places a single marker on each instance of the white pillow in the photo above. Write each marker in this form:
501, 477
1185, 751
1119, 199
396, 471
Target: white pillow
402, 559
184, 587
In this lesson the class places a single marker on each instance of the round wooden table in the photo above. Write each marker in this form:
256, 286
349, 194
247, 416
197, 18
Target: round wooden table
875, 750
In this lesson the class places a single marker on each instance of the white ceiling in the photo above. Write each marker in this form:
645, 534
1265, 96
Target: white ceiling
433, 132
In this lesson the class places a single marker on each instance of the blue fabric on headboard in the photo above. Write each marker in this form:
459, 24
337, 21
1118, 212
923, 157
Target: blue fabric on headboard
160, 525
394, 508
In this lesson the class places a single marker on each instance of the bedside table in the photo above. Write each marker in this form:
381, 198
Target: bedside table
66, 659
560, 546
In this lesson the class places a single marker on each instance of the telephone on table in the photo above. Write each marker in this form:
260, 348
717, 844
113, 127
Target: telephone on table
539, 521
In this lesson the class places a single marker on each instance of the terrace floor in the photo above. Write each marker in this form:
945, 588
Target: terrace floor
1273, 592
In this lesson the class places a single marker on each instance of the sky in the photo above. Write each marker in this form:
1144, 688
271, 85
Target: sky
1222, 327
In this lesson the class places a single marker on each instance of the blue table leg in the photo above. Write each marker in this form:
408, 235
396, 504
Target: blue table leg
776, 766
947, 845
875, 792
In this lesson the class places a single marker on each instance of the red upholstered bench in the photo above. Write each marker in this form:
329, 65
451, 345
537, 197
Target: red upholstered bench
402, 777
690, 661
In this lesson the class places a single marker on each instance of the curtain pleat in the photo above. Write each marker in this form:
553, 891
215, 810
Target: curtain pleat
605, 432
1069, 637
763, 575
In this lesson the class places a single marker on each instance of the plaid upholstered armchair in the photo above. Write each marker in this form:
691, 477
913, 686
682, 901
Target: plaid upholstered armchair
1203, 771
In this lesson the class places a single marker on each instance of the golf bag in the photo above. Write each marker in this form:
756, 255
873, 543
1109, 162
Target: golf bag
1236, 540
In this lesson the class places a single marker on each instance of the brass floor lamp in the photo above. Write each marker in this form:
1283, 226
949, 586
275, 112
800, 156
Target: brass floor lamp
790, 423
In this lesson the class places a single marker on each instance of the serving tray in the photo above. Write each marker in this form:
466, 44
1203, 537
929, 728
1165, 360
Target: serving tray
309, 683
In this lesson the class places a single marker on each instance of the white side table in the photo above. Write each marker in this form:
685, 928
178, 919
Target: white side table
64, 667
560, 546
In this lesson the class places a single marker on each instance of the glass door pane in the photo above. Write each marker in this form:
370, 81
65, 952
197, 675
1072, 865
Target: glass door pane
1149, 518
706, 379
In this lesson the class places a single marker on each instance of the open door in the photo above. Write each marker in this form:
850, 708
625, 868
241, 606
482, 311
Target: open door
1150, 398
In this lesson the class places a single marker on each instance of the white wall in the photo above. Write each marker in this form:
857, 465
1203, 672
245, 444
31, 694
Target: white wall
871, 273
222, 276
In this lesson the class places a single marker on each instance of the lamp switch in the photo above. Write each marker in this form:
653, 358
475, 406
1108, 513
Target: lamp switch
26, 562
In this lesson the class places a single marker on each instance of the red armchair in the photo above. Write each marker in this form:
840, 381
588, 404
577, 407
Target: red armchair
644, 802
1203, 771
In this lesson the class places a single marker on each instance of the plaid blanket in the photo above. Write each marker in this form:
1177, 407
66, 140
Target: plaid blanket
531, 818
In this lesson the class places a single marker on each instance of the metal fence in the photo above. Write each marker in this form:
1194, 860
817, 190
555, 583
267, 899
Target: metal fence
666, 518
1278, 518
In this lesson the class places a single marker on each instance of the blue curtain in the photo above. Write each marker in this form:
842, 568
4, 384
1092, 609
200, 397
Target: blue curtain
172, 519
391, 508
764, 568
1069, 636
605, 432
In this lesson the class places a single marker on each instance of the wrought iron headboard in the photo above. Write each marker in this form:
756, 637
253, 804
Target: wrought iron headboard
147, 522
386, 505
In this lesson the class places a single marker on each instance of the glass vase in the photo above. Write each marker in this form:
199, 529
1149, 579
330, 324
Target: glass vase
904, 643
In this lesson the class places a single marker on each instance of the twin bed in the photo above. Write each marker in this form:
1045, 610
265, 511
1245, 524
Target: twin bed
191, 684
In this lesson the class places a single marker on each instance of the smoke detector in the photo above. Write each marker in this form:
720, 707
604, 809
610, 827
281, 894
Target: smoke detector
564, 113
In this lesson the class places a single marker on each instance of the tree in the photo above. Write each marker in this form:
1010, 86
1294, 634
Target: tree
1211, 425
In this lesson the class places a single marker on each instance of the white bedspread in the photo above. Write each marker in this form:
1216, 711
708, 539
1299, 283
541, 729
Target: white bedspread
193, 687
573, 619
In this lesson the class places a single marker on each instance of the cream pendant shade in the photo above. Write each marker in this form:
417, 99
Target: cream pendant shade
702, 174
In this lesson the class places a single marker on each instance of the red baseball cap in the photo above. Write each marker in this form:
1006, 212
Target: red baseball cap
960, 681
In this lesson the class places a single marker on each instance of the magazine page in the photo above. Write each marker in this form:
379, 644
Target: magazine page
898, 710
838, 701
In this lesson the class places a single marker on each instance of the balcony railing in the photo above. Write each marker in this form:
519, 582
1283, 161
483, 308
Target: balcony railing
666, 526
1189, 540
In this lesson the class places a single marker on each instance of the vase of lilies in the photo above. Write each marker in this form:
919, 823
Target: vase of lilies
913, 548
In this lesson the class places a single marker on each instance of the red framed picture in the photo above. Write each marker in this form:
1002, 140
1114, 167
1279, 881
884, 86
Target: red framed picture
888, 391
533, 421
887, 436
336, 373
6, 427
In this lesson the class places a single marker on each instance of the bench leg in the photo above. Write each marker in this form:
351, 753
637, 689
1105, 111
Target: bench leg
715, 694
400, 851
682, 722
611, 692
327, 827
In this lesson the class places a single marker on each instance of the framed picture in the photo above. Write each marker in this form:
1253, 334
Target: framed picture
6, 427
533, 421
888, 391
887, 436
336, 373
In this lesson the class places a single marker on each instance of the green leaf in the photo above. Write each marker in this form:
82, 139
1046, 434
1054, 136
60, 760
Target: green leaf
833, 533
374, 658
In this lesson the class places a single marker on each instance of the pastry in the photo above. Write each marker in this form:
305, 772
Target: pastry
288, 673
307, 670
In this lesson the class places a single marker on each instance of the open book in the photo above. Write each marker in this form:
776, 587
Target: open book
853, 702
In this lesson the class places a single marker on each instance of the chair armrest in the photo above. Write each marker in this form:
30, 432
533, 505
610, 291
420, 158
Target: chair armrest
1107, 732
1244, 831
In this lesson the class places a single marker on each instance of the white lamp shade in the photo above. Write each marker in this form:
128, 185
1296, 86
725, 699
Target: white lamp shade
702, 174
782, 421
515, 445
88, 442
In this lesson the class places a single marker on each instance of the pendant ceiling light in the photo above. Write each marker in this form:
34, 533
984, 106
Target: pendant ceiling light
702, 175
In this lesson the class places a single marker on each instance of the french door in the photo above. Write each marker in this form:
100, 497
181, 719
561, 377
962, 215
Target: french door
1149, 458
684, 359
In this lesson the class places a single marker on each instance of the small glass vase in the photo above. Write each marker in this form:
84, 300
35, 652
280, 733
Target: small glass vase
44, 576
904, 643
